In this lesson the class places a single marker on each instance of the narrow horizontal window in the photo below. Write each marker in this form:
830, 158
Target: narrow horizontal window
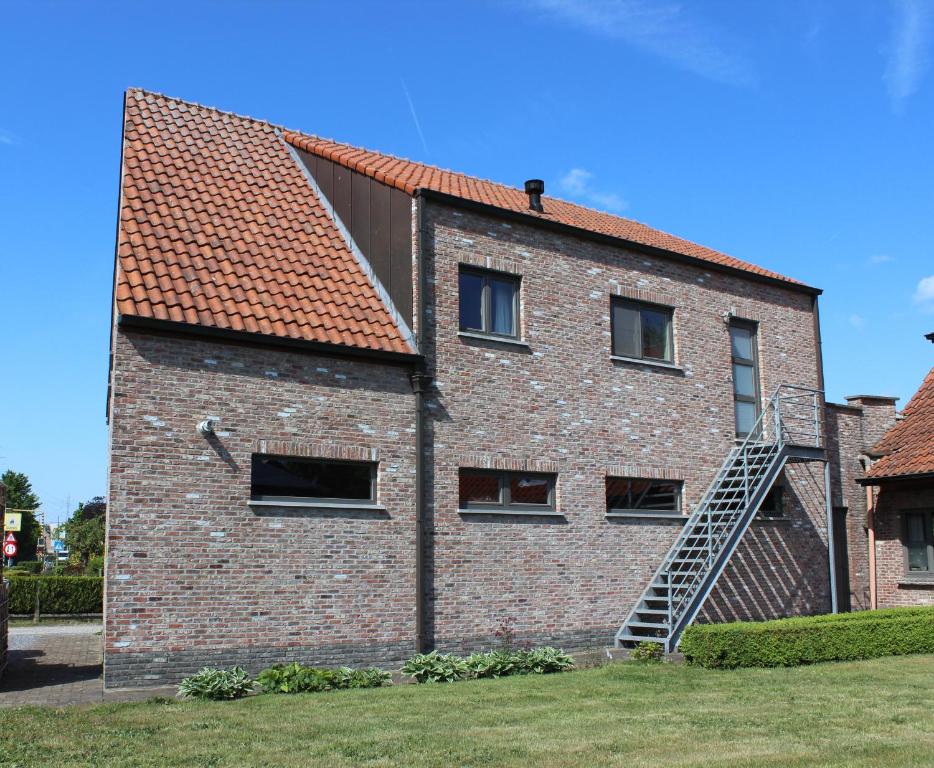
632, 494
296, 478
489, 302
641, 331
492, 489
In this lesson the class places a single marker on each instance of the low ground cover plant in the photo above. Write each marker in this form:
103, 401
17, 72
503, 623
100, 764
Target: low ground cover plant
217, 684
437, 667
812, 639
647, 653
298, 678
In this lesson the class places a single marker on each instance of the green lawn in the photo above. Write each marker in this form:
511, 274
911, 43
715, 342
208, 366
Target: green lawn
872, 713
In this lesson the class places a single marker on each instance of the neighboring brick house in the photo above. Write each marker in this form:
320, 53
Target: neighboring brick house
900, 489
359, 406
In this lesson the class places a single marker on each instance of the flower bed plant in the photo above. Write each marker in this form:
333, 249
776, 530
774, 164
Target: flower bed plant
298, 678
437, 667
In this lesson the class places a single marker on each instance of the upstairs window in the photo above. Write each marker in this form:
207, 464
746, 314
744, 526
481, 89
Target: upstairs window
632, 494
296, 478
489, 302
641, 331
919, 542
482, 489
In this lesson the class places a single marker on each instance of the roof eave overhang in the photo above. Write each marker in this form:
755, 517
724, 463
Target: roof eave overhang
227, 335
599, 237
918, 476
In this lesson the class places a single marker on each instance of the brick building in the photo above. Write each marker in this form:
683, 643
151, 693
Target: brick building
899, 488
359, 406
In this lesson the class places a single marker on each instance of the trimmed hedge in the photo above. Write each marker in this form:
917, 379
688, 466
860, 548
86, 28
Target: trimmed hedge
812, 639
57, 594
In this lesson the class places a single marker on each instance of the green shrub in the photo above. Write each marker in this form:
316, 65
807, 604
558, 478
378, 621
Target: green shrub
647, 653
31, 567
95, 566
370, 677
493, 664
297, 678
216, 684
544, 661
436, 667
808, 640
57, 594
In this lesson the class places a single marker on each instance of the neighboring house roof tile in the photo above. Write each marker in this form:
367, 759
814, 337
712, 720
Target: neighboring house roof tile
908, 447
410, 176
219, 227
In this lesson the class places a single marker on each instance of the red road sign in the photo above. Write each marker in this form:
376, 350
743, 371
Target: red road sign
10, 538
9, 548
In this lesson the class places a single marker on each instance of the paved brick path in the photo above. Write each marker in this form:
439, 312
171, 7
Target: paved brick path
59, 665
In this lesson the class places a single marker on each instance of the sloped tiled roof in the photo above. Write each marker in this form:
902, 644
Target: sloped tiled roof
410, 176
908, 447
220, 228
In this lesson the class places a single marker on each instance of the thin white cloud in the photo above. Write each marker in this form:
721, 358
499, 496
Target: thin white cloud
924, 293
6, 137
881, 258
666, 29
857, 321
576, 183
418, 125
908, 53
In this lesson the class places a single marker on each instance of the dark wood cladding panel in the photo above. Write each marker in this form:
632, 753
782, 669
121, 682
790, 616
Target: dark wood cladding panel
400, 246
342, 196
379, 233
360, 201
379, 219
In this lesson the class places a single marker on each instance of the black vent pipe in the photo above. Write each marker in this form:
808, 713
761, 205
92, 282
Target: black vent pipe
535, 188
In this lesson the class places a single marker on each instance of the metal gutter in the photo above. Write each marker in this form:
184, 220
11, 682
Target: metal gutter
895, 478
588, 234
247, 338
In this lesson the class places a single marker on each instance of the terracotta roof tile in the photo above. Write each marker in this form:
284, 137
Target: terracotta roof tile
219, 227
218, 222
908, 447
410, 176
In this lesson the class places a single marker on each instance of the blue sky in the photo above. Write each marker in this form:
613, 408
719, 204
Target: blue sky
797, 135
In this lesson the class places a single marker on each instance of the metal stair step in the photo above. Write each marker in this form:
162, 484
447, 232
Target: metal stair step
627, 638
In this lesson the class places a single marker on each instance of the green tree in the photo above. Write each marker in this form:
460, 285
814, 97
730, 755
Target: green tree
84, 530
19, 495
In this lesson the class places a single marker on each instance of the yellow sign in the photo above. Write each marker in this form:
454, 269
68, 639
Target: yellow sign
12, 521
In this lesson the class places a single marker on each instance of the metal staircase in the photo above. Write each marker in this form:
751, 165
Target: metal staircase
789, 428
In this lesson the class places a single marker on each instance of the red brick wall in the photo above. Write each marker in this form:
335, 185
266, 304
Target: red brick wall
846, 444
895, 586
194, 575
562, 401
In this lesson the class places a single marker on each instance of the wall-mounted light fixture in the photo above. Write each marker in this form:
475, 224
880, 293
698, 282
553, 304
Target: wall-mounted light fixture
206, 427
